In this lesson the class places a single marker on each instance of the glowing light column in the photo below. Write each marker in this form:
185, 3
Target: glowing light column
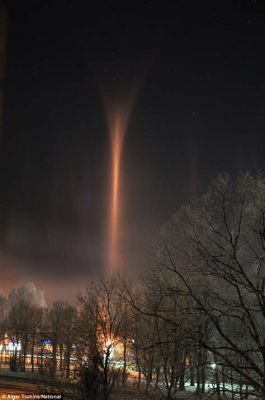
117, 136
118, 110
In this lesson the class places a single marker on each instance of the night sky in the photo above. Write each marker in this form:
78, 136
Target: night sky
198, 69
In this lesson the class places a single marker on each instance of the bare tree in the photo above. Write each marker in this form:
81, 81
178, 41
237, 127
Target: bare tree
162, 348
18, 325
212, 255
36, 320
70, 336
59, 329
101, 315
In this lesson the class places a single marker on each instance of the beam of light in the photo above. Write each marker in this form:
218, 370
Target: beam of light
117, 132
118, 110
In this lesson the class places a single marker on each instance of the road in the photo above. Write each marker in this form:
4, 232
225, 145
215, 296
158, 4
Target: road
12, 388
16, 388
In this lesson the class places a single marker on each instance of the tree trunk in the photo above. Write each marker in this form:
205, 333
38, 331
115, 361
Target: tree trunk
232, 383
32, 354
192, 377
138, 368
203, 369
54, 359
223, 381
149, 375
25, 350
67, 361
61, 357
124, 372
41, 361
198, 370
157, 377
182, 374
217, 381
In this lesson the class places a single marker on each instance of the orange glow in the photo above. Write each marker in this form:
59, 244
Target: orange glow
117, 135
118, 109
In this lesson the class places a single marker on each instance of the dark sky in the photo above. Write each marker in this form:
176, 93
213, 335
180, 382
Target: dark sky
199, 68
